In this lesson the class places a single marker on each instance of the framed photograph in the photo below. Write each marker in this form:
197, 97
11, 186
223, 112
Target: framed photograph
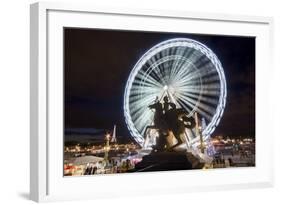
129, 101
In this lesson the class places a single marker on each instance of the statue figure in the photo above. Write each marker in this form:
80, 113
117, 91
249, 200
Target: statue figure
166, 104
159, 124
168, 118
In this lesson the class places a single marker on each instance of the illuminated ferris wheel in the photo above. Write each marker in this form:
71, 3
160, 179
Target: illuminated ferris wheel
186, 71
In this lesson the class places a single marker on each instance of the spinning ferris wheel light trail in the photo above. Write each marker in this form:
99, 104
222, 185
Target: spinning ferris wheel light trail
185, 70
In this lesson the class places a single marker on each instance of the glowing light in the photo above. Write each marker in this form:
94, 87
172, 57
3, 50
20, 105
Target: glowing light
185, 70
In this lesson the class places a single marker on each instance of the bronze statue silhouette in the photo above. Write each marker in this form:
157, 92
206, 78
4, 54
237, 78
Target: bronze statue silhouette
159, 124
166, 105
168, 118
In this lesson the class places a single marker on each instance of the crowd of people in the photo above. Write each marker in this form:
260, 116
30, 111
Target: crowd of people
109, 167
231, 160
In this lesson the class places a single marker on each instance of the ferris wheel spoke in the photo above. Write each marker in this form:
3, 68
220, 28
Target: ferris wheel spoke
157, 72
203, 70
148, 79
211, 79
147, 91
200, 100
176, 64
137, 112
191, 57
143, 120
205, 99
209, 91
150, 82
202, 61
201, 108
184, 82
167, 71
140, 90
152, 69
187, 101
188, 72
183, 105
144, 102
198, 87
141, 101
198, 110
204, 114
177, 60
183, 70
138, 102
184, 73
197, 73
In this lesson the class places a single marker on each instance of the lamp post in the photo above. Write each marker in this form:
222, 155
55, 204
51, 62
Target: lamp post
202, 147
199, 132
107, 147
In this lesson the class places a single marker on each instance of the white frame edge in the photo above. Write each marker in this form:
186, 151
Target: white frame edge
38, 104
39, 76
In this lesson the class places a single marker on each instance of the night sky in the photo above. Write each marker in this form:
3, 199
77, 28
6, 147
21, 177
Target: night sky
97, 64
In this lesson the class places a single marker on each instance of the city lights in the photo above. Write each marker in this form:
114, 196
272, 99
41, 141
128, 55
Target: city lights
154, 101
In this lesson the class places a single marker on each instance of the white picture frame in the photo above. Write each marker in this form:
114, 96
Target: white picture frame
46, 179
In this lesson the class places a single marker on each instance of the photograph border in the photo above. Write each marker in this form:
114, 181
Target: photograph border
39, 93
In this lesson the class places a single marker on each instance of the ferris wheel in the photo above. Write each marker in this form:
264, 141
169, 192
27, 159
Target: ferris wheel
186, 71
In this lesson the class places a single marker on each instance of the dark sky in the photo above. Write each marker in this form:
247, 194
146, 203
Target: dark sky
98, 63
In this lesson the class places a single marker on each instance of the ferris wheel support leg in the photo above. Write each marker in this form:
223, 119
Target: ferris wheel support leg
147, 136
145, 143
187, 140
